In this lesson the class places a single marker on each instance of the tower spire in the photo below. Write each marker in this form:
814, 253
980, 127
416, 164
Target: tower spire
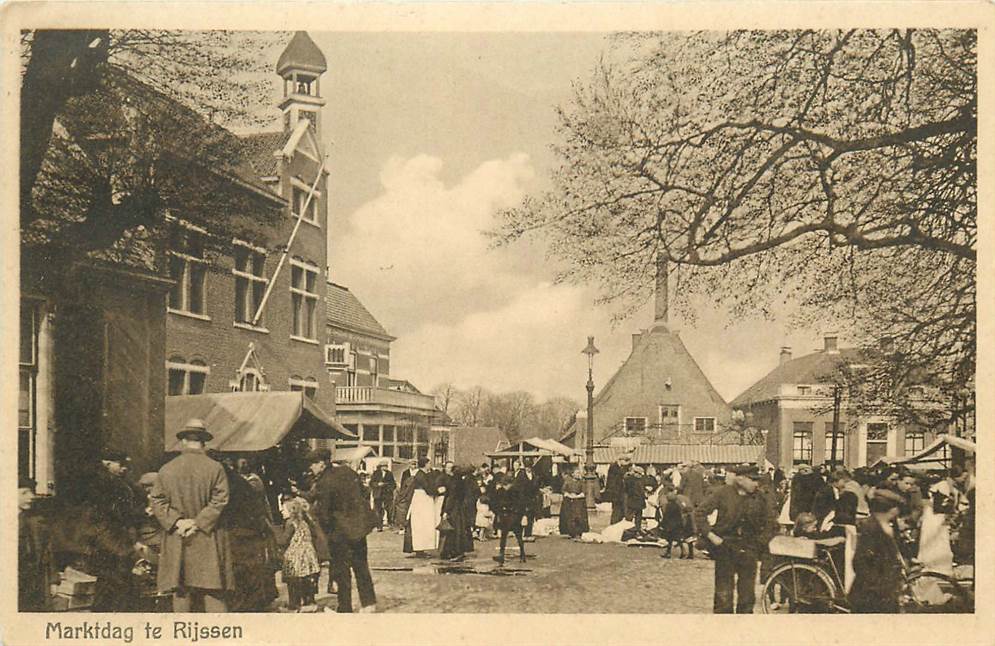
661, 310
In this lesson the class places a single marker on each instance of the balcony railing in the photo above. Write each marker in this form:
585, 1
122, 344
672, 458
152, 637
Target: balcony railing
371, 395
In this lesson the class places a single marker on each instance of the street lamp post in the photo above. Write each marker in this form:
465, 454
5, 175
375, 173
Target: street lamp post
590, 477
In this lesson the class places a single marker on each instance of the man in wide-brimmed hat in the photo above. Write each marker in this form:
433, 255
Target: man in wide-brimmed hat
188, 499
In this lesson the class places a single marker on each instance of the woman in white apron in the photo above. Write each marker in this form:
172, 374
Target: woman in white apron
421, 513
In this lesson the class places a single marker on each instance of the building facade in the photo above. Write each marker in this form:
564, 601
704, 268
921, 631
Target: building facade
659, 395
794, 405
390, 415
252, 320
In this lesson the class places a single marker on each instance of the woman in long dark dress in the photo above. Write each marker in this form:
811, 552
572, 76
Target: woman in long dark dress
453, 541
573, 509
252, 540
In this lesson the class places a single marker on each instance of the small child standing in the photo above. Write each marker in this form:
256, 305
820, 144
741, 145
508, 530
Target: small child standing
300, 558
484, 521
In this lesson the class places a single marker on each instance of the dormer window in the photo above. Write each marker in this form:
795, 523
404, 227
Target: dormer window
804, 390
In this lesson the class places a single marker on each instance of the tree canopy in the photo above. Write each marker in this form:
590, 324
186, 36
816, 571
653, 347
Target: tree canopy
119, 128
832, 169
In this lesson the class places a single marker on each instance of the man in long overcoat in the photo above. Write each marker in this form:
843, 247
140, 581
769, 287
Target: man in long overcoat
188, 499
615, 487
344, 514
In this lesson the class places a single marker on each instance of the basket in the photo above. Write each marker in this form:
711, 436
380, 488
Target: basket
799, 548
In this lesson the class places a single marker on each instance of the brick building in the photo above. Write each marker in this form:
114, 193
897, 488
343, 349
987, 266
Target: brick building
388, 414
794, 405
89, 368
659, 395
220, 335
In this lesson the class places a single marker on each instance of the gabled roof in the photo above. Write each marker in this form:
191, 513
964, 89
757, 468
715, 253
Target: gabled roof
818, 367
259, 150
301, 53
344, 310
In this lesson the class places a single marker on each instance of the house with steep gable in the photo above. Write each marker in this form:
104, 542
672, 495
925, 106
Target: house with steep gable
659, 395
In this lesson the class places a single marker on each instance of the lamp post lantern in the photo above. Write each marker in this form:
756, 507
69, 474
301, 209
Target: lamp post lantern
590, 477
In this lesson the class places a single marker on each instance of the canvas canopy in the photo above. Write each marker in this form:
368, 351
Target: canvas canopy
253, 421
352, 454
534, 446
934, 456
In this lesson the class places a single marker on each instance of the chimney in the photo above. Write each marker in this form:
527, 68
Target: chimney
785, 354
635, 339
831, 343
662, 304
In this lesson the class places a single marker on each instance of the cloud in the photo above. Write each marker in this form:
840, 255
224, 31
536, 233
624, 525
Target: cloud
471, 315
416, 252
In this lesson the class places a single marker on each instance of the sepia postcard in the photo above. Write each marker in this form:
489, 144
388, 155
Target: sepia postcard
496, 323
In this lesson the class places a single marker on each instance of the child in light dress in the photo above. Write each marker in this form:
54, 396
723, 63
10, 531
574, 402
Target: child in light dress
484, 521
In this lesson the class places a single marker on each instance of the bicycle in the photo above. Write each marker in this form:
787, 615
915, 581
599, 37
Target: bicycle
810, 582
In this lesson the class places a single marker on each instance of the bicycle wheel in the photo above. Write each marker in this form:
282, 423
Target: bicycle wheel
798, 588
927, 592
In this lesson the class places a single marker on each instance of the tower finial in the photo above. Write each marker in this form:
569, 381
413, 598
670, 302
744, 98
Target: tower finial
661, 310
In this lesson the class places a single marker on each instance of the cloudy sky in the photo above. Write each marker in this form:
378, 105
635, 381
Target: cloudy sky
430, 136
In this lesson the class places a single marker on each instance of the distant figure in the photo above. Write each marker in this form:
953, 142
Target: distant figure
383, 486
615, 487
420, 532
509, 510
188, 499
573, 508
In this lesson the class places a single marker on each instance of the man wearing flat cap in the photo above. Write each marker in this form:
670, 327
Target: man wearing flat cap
344, 514
383, 485
736, 539
117, 508
187, 499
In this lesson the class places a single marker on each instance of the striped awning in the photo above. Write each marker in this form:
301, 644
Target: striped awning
677, 453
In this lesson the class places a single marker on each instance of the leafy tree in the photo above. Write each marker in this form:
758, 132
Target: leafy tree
835, 170
118, 131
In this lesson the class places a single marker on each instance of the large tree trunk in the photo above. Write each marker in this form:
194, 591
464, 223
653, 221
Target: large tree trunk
62, 64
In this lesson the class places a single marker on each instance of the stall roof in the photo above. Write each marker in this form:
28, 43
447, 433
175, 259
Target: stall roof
933, 456
678, 453
532, 446
252, 421
353, 453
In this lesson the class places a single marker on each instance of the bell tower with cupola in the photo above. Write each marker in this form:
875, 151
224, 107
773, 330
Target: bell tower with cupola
301, 65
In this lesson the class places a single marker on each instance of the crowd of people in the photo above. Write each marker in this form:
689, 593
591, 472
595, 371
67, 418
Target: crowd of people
204, 533
210, 532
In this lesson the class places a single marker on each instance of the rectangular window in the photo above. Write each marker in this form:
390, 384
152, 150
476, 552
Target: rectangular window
915, 442
840, 444
188, 267
338, 355
371, 434
405, 451
388, 434
186, 378
405, 434
28, 373
704, 424
422, 434
250, 282
670, 414
804, 390
877, 441
635, 424
300, 198
304, 300
801, 446
309, 386
387, 451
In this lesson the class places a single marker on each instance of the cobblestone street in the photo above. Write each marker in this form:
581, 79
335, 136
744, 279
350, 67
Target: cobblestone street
564, 577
